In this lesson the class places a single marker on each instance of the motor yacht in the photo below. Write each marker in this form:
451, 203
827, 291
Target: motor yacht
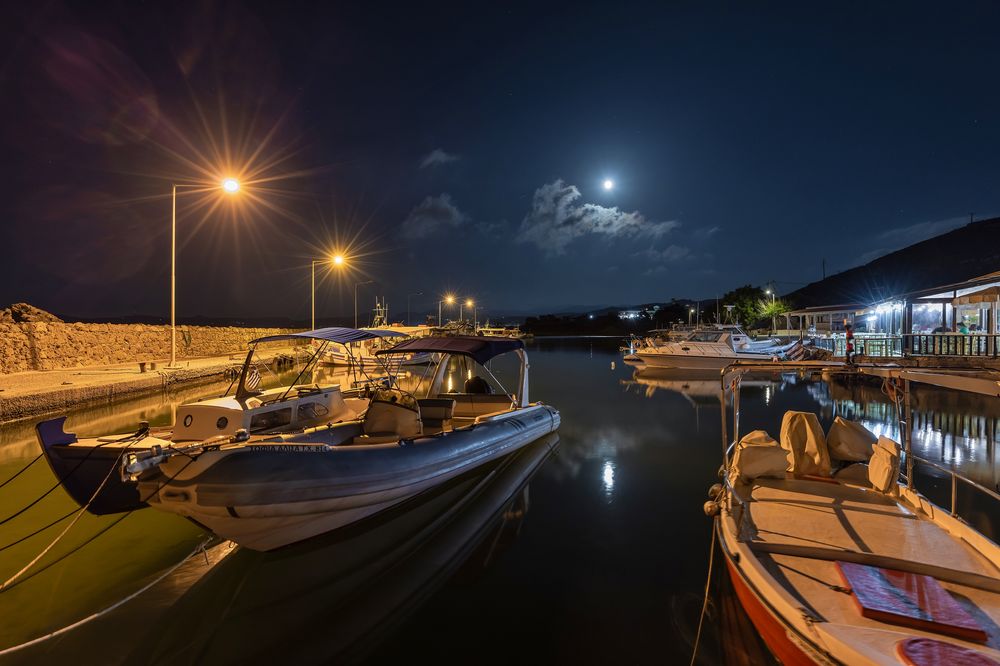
834, 553
713, 349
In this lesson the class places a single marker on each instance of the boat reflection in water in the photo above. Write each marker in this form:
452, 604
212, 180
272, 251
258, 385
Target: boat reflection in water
335, 596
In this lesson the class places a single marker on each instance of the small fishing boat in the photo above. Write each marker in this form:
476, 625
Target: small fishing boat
267, 492
83, 463
835, 555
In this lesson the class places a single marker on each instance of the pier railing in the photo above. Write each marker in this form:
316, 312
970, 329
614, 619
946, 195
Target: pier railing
917, 344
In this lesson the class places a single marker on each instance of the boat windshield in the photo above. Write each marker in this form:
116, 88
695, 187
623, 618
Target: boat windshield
705, 336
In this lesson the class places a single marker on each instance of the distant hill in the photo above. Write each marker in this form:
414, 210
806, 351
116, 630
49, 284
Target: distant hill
958, 255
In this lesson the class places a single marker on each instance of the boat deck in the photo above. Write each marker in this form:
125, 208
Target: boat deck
801, 528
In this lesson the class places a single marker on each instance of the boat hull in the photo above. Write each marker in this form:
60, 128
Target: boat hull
772, 630
270, 495
695, 362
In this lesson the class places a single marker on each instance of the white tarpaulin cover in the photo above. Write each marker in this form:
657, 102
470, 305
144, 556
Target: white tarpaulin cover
803, 438
883, 468
758, 455
849, 440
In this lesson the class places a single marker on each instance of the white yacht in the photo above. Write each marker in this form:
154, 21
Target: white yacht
713, 349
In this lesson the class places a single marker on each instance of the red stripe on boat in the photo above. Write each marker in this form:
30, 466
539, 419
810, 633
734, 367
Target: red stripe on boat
909, 600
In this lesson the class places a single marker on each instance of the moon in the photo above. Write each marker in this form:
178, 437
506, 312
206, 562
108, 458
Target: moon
609, 184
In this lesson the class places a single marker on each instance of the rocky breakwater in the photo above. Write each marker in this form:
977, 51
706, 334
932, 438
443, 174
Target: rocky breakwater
32, 339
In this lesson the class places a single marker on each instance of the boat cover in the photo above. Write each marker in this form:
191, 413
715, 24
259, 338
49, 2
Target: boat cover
849, 440
909, 600
338, 334
803, 437
929, 652
480, 348
757, 455
883, 468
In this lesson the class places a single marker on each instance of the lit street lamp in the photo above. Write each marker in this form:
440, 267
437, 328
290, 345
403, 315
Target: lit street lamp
449, 299
230, 186
690, 312
336, 260
419, 293
468, 303
358, 284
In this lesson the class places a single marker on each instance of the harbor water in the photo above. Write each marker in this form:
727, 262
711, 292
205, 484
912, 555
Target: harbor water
586, 547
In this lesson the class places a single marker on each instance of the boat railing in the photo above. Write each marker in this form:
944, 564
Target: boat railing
956, 479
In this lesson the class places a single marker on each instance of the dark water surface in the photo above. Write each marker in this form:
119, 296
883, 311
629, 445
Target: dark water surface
588, 547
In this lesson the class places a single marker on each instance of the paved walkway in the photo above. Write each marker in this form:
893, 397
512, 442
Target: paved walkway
25, 394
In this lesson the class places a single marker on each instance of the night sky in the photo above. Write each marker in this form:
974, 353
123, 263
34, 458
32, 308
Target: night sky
464, 149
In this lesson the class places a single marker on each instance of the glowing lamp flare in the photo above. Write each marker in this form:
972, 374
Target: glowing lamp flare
338, 260
231, 185
609, 184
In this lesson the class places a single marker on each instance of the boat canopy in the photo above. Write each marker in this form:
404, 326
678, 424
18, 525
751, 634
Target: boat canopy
480, 348
338, 334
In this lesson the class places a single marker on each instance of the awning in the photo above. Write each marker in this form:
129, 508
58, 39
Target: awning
332, 334
480, 348
988, 295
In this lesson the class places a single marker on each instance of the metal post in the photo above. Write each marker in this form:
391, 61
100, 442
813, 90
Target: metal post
173, 281
908, 433
439, 313
313, 295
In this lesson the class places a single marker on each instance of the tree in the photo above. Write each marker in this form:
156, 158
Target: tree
745, 301
771, 309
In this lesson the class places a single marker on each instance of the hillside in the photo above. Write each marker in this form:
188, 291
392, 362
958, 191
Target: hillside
958, 255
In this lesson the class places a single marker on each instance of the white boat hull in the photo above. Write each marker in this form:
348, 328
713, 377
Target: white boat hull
696, 362
265, 496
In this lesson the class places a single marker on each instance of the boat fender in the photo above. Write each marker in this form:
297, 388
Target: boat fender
710, 508
715, 491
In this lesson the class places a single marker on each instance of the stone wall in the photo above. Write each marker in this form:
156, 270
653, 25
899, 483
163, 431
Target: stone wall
49, 346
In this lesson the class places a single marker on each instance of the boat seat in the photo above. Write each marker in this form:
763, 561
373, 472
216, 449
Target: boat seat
436, 413
392, 415
471, 405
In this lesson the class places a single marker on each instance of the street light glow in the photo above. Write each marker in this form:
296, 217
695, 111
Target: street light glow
449, 299
338, 260
468, 303
609, 184
231, 185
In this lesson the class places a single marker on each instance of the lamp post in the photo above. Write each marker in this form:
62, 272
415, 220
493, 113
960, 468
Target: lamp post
336, 260
356, 285
229, 186
449, 299
774, 319
468, 303
690, 312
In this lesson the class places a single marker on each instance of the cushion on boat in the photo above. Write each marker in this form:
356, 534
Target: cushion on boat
392, 412
908, 600
849, 440
802, 436
758, 455
932, 652
470, 405
883, 468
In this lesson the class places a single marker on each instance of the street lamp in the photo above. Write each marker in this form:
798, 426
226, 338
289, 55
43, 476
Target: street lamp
358, 284
690, 312
449, 299
336, 260
419, 293
230, 186
468, 304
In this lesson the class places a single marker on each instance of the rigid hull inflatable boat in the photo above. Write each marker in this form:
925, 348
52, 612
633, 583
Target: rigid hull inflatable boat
83, 463
266, 492
834, 554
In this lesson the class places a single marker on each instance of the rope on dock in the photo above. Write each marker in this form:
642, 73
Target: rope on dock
41, 639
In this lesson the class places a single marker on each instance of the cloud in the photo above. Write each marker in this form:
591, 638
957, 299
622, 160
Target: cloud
894, 239
702, 234
557, 219
668, 254
437, 157
432, 215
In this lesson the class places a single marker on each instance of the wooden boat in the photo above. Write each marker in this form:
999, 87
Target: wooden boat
834, 554
267, 492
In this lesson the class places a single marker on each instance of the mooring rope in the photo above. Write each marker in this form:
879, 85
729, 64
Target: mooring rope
41, 639
21, 471
704, 604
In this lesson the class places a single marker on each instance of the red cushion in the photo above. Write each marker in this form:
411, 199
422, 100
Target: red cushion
931, 652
